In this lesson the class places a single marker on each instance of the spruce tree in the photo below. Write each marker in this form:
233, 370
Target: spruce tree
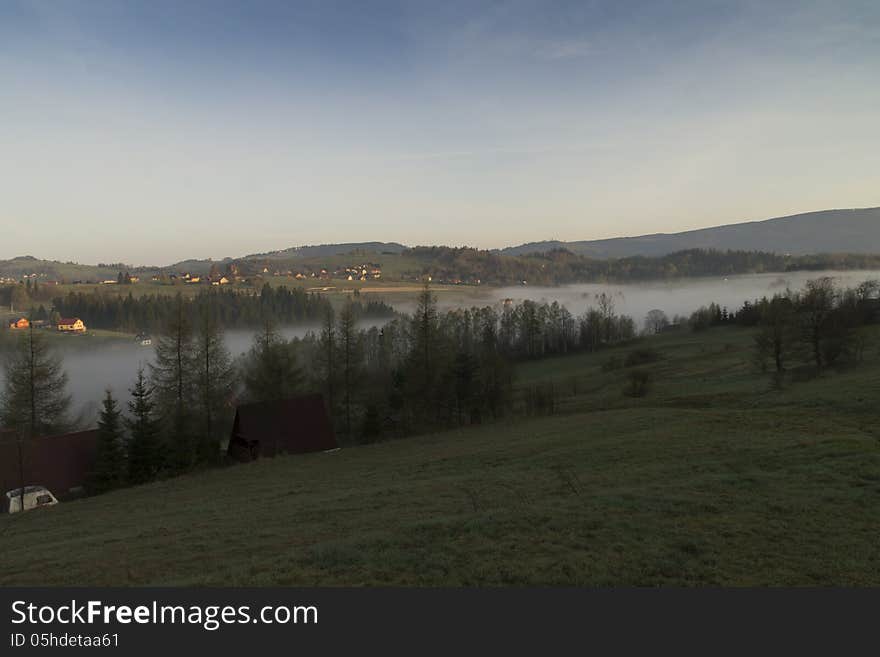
326, 357
422, 371
270, 369
144, 456
109, 468
349, 361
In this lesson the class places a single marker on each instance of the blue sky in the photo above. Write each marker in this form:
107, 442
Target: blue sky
154, 131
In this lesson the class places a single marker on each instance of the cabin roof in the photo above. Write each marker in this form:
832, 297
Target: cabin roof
295, 425
60, 463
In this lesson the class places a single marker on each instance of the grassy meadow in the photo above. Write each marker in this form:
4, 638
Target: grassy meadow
715, 477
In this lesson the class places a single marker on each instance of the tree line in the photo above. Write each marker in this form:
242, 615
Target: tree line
232, 308
560, 266
415, 373
817, 325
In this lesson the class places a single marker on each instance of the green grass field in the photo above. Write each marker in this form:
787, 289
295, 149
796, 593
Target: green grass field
713, 478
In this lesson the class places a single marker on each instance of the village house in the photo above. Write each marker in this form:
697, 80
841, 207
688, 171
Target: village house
71, 325
19, 324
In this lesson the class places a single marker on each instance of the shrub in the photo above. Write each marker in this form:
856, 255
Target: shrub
611, 363
638, 383
641, 357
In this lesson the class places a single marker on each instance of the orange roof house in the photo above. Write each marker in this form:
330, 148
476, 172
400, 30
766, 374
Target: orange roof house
73, 324
22, 323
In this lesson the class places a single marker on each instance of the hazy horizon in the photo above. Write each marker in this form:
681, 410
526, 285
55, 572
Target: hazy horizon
155, 132
279, 248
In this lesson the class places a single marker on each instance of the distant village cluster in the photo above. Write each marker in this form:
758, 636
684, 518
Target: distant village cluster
361, 272
25, 278
63, 324
232, 273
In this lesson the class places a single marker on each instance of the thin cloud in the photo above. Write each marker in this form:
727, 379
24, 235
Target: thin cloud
564, 49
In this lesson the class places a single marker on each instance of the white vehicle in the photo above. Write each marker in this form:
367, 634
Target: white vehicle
34, 497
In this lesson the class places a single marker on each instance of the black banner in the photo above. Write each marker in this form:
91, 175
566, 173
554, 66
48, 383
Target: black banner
544, 621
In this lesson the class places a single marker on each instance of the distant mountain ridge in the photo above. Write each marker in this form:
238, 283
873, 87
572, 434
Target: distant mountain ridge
826, 231
25, 265
854, 231
325, 250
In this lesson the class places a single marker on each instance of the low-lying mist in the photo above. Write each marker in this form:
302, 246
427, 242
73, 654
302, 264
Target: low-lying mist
678, 297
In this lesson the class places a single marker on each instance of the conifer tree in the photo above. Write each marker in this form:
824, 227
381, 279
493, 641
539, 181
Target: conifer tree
35, 401
144, 457
109, 467
270, 369
326, 357
349, 361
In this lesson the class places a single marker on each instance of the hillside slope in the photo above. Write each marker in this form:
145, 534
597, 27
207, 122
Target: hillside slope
714, 478
828, 231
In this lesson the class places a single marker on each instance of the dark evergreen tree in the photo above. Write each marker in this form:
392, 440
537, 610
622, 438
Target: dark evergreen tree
326, 358
270, 368
109, 467
466, 380
35, 400
144, 455
349, 362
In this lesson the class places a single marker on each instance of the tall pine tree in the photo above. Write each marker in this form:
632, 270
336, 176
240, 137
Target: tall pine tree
144, 455
270, 368
350, 354
35, 401
109, 467
326, 357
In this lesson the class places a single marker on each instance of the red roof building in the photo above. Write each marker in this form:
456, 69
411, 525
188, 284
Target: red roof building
74, 324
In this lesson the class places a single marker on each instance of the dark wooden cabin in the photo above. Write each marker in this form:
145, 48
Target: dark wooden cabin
286, 426
60, 463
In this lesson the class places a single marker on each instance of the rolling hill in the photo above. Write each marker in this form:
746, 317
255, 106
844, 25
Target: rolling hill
855, 232
714, 478
328, 250
828, 231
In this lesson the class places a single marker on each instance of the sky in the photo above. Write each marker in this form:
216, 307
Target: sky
151, 132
